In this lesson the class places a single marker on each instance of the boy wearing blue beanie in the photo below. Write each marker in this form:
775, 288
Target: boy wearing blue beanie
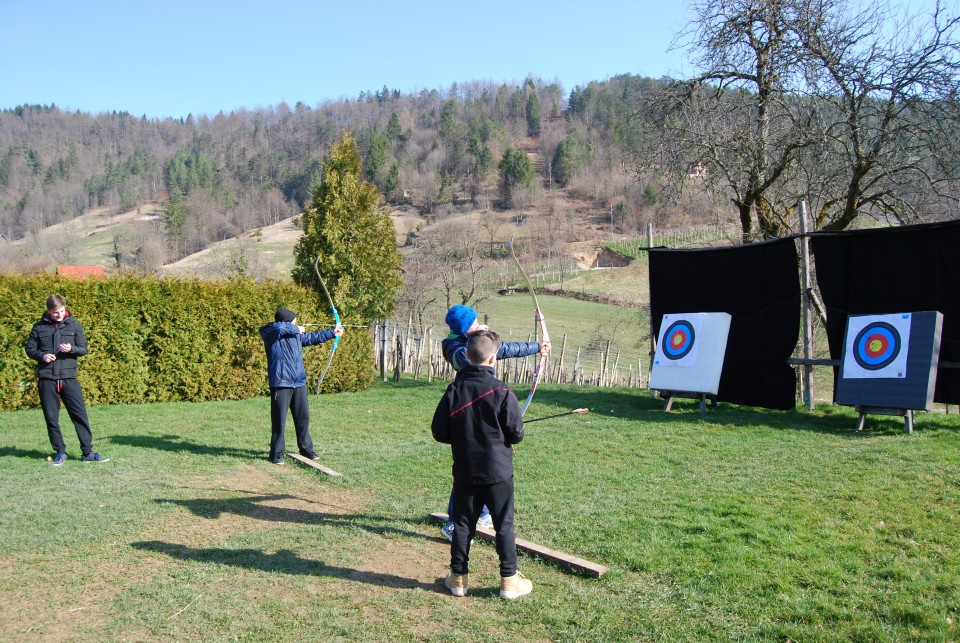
463, 323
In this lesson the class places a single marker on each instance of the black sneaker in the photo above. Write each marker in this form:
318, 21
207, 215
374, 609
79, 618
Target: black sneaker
60, 458
276, 459
310, 454
94, 457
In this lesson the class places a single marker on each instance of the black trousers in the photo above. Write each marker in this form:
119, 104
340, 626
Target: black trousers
51, 393
294, 400
468, 502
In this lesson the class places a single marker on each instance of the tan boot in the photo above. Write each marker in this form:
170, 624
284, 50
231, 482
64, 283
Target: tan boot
515, 586
456, 583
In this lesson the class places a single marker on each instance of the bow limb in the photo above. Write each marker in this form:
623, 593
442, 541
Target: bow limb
336, 319
542, 322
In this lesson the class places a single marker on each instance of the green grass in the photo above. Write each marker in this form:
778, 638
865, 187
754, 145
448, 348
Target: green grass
746, 524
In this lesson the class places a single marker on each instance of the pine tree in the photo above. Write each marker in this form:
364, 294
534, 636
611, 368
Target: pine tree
534, 115
355, 241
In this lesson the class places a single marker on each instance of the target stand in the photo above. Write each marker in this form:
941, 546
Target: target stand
889, 364
689, 357
907, 415
670, 396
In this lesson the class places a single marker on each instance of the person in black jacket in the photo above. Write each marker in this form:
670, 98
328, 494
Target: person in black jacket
284, 342
462, 321
55, 342
479, 417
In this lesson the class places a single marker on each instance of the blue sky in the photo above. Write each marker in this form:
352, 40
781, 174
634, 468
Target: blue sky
177, 57
180, 57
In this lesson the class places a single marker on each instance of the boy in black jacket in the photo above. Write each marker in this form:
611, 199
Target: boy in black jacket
480, 418
463, 323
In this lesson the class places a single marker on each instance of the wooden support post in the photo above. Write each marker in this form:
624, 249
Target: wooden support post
430, 354
808, 397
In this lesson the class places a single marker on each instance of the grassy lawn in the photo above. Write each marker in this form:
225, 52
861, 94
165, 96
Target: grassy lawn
746, 524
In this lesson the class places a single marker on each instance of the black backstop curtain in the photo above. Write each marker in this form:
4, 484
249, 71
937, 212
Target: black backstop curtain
759, 286
894, 270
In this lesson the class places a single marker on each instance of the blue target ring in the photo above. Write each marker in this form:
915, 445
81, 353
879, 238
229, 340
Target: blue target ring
876, 346
678, 340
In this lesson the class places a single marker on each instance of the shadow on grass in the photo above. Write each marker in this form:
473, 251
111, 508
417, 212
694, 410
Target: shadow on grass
639, 404
255, 507
284, 561
14, 452
176, 444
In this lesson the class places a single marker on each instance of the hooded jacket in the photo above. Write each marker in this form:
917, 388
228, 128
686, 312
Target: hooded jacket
284, 344
45, 337
479, 417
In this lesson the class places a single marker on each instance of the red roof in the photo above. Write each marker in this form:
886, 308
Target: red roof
81, 272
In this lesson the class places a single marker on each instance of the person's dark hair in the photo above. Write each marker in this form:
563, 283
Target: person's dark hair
55, 301
481, 345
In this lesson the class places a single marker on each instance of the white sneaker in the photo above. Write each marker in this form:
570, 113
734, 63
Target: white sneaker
486, 522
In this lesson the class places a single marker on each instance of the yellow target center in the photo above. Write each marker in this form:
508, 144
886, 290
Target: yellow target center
677, 340
875, 346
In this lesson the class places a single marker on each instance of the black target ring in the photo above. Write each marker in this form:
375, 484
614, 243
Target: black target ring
876, 346
678, 340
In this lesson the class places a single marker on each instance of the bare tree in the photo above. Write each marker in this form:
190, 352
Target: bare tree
885, 91
811, 99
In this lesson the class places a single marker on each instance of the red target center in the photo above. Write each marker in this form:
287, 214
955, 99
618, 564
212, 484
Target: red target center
876, 345
678, 339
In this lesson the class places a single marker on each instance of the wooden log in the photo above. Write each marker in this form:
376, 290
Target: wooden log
567, 560
313, 463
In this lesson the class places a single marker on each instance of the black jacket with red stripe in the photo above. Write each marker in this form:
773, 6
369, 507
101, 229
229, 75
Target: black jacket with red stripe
479, 417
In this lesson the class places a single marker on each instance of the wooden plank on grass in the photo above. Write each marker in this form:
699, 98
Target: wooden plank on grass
579, 564
312, 463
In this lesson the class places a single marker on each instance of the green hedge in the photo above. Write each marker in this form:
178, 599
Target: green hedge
154, 340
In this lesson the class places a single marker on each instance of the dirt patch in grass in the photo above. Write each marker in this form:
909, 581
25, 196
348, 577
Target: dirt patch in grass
79, 590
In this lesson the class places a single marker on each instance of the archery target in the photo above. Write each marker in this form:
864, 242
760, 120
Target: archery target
877, 346
890, 361
678, 342
690, 351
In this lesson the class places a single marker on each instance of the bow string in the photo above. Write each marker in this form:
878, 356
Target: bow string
336, 319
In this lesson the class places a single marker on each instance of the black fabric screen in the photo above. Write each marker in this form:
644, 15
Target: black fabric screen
759, 286
894, 270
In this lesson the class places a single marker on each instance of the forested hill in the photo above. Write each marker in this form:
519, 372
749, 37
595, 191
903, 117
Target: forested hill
214, 177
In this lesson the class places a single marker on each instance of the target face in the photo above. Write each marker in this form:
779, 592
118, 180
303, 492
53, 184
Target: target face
877, 346
678, 340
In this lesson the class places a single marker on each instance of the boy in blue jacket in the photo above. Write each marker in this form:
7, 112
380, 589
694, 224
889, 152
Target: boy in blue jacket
284, 342
479, 418
463, 323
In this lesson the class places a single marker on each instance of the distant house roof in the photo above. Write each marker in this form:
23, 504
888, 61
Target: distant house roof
81, 272
697, 169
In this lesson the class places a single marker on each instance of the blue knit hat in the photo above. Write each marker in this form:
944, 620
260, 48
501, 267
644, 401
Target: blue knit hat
460, 318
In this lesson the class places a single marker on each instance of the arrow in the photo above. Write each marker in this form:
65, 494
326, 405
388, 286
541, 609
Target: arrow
547, 417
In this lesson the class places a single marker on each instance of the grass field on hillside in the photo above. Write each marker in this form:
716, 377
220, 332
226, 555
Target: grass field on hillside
746, 524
